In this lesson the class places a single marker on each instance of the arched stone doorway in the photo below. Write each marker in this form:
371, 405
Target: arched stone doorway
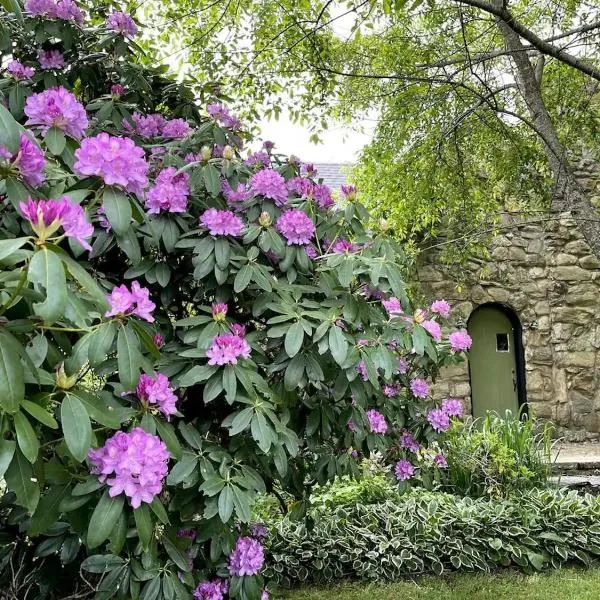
496, 360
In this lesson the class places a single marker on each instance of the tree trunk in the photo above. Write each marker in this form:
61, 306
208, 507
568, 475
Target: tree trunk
568, 194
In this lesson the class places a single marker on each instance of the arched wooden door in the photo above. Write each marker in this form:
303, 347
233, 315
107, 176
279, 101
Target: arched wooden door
496, 360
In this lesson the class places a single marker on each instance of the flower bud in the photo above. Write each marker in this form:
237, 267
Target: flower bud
228, 153
420, 316
206, 153
63, 381
265, 219
384, 225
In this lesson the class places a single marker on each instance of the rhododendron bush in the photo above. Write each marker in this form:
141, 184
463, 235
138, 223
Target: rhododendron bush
183, 324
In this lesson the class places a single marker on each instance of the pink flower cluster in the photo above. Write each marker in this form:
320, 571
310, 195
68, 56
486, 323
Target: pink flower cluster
211, 590
122, 23
221, 222
169, 193
392, 306
235, 197
341, 246
176, 129
57, 107
433, 328
419, 388
459, 341
117, 90
133, 463
219, 311
65, 10
46, 216
117, 160
157, 390
408, 442
301, 186
226, 348
221, 113
18, 71
51, 59
29, 161
260, 158
270, 184
377, 422
439, 418
404, 470
296, 227
135, 302
452, 407
441, 307
155, 125
322, 196
391, 390
247, 558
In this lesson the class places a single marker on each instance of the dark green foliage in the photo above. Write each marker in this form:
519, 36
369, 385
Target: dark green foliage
429, 532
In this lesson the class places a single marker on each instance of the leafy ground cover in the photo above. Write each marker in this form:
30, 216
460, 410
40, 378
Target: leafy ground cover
566, 584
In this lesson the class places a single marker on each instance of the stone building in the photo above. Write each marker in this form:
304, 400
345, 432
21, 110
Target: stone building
533, 310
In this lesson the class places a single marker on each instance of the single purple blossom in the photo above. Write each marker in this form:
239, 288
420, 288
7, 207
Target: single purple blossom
247, 558
309, 170
391, 390
135, 302
401, 367
404, 470
440, 461
133, 463
260, 159
219, 311
311, 251
361, 369
268, 145
392, 306
221, 114
221, 222
117, 90
258, 531
349, 192
342, 246
18, 71
159, 340
28, 162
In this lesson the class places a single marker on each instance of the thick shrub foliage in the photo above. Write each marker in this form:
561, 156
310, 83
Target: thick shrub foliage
181, 326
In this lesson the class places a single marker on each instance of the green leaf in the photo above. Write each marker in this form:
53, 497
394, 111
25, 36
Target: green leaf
151, 590
167, 433
12, 377
9, 131
102, 563
76, 426
143, 523
225, 504
261, 432
16, 100
7, 451
212, 180
242, 279
39, 413
222, 252
47, 273
129, 358
182, 470
101, 343
55, 141
99, 410
47, 511
26, 437
241, 420
20, 480
338, 345
346, 272
16, 191
293, 339
159, 510
196, 375
104, 518
241, 502
118, 210
8, 247
229, 383
177, 555
294, 372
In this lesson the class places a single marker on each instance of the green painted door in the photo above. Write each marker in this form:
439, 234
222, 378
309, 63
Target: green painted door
492, 362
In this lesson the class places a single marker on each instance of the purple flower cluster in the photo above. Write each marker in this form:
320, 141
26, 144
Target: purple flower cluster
349, 192
135, 302
439, 460
377, 422
221, 113
441, 307
176, 129
433, 328
392, 306
361, 369
122, 23
341, 246
133, 463
322, 196
258, 531
226, 348
29, 161
221, 222
301, 186
65, 10
145, 126
408, 442
452, 407
438, 419
404, 470
117, 90
419, 388
210, 590
391, 390
51, 59
169, 193
219, 311
296, 227
117, 160
235, 197
46, 216
247, 558
18, 71
270, 184
57, 107
459, 341
260, 158
401, 367
157, 390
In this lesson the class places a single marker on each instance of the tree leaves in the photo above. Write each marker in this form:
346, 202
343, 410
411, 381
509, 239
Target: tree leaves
12, 381
128, 357
104, 518
26, 437
19, 479
338, 345
55, 140
118, 210
293, 339
76, 426
47, 273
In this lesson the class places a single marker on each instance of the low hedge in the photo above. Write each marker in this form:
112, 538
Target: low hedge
429, 532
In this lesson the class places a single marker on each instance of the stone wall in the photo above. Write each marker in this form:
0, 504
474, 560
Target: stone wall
544, 270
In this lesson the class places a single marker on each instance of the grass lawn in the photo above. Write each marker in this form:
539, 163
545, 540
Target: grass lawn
568, 584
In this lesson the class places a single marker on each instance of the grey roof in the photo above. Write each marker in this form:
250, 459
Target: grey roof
333, 174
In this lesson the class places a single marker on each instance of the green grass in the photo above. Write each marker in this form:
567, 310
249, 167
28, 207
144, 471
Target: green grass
567, 584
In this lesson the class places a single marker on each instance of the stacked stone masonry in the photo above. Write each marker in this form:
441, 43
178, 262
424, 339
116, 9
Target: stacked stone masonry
544, 270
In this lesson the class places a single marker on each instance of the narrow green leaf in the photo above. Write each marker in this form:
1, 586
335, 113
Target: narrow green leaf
20, 480
338, 345
212, 179
167, 433
101, 343
76, 426
118, 210
47, 273
242, 279
159, 510
128, 357
47, 511
40, 414
26, 437
8, 247
293, 339
176, 554
99, 410
101, 563
12, 377
143, 523
55, 140
7, 451
9, 131
222, 252
261, 432
225, 504
104, 519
